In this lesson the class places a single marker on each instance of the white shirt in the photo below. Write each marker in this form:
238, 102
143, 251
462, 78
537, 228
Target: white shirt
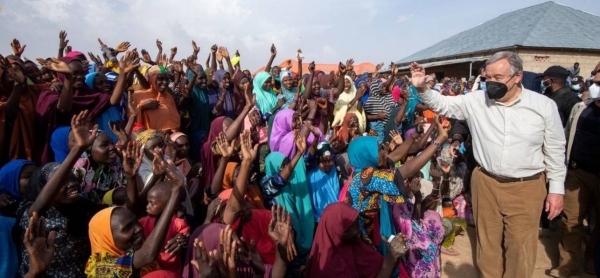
517, 140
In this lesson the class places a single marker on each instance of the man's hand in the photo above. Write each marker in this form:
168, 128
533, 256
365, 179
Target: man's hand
554, 205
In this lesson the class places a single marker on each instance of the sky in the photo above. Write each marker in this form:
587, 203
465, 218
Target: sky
327, 31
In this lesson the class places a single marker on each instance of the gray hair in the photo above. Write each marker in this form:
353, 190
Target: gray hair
516, 64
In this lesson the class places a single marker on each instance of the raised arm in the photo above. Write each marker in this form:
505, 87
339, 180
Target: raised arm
127, 64
193, 67
235, 202
132, 159
65, 101
341, 82
62, 43
146, 58
390, 80
300, 57
11, 108
450, 106
60, 177
227, 151
413, 166
173, 53
286, 172
273, 55
154, 243
213, 60
160, 50
234, 128
225, 54
308, 87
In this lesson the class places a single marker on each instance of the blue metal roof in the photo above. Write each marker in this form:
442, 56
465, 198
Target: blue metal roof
544, 25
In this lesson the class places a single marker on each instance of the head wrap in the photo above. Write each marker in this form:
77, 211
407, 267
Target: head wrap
266, 100
323, 149
148, 134
89, 79
10, 174
59, 142
101, 237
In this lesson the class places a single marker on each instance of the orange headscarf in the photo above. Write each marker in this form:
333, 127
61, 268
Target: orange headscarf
101, 236
166, 116
343, 134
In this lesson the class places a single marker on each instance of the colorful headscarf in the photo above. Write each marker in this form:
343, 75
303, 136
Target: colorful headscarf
148, 134
363, 152
89, 79
288, 95
365, 96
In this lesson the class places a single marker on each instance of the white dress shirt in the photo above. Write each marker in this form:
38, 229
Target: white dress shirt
516, 140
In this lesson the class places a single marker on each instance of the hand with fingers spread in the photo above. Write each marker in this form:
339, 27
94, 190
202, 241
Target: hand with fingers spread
224, 52
220, 54
224, 146
249, 152
63, 42
132, 158
205, 267
300, 143
119, 130
17, 48
39, 247
228, 246
177, 243
280, 230
159, 165
393, 68
122, 47
146, 57
418, 76
102, 44
80, 130
396, 137
129, 62
55, 65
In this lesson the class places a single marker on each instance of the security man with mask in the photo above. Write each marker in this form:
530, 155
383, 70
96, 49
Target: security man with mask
518, 141
554, 86
576, 85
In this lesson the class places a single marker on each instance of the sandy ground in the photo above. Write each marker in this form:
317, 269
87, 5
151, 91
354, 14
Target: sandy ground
462, 266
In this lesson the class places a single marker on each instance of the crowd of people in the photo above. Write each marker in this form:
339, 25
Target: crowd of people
120, 165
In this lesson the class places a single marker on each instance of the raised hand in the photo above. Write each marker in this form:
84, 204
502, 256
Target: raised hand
220, 54
159, 45
397, 247
17, 48
178, 66
396, 137
39, 247
299, 55
146, 57
228, 247
393, 68
118, 129
195, 48
159, 165
63, 42
92, 57
280, 225
224, 52
128, 62
249, 151
300, 142
418, 76
132, 158
102, 45
122, 47
174, 51
273, 50
55, 65
163, 61
350, 65
250, 98
214, 49
205, 267
225, 147
311, 67
342, 68
79, 127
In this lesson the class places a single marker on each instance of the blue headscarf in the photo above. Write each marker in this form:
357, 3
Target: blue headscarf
59, 142
89, 79
365, 97
10, 175
266, 100
288, 95
413, 100
363, 152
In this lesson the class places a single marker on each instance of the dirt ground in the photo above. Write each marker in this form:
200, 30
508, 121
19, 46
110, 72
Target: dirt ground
462, 266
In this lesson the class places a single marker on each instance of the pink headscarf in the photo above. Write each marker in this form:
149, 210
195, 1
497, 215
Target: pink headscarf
396, 93
262, 132
72, 54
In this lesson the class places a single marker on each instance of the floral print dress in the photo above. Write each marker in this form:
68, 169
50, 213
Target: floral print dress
424, 238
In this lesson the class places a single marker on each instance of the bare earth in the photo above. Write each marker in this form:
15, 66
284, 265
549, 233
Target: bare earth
463, 266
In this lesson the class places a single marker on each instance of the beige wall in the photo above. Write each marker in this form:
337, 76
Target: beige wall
587, 60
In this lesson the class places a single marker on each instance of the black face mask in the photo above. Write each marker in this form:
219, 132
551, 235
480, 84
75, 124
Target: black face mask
496, 90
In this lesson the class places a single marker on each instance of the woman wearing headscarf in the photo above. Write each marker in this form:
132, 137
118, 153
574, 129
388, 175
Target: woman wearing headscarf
265, 98
56, 109
288, 91
338, 250
17, 113
285, 126
14, 177
349, 102
240, 81
54, 192
295, 197
157, 107
323, 181
226, 104
200, 110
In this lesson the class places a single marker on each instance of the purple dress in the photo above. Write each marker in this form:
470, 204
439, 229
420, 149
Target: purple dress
423, 257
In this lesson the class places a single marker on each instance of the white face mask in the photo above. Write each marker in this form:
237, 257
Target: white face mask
594, 92
576, 87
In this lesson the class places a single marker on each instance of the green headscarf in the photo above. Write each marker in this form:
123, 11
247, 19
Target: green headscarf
266, 100
295, 197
